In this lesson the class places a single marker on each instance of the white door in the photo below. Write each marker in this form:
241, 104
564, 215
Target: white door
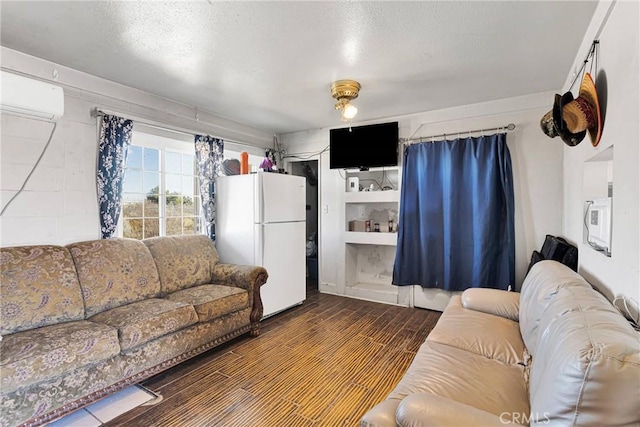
282, 198
283, 255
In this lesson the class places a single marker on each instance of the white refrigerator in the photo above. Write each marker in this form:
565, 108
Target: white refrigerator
261, 220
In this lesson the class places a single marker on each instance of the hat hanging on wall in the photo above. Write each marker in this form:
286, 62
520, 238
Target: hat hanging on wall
570, 138
570, 118
553, 125
546, 124
584, 112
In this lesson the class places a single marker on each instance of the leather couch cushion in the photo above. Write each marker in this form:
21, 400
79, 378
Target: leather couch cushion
114, 272
143, 321
183, 261
423, 409
211, 301
542, 283
39, 288
381, 415
465, 377
43, 353
493, 301
586, 370
484, 334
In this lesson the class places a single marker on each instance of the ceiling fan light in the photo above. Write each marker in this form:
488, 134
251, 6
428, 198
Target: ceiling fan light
344, 91
349, 111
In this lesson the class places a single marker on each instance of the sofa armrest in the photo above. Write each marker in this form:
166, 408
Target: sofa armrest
249, 277
241, 276
423, 409
381, 415
493, 301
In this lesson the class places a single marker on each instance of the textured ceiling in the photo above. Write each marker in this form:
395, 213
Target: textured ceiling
270, 64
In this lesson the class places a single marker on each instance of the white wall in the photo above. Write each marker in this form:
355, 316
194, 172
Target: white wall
59, 204
537, 169
619, 88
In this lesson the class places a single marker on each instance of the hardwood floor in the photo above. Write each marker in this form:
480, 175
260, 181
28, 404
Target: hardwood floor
324, 363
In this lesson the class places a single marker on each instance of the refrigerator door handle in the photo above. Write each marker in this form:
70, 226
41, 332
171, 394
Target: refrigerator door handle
262, 245
259, 244
257, 202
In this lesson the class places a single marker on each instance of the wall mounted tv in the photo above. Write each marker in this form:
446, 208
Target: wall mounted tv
364, 146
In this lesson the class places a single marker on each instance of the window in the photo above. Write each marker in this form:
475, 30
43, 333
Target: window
161, 195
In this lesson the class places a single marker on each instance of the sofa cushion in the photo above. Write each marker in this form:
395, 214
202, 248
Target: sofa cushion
465, 377
491, 336
541, 284
143, 321
39, 288
381, 415
43, 353
426, 409
493, 301
211, 301
586, 370
183, 261
114, 272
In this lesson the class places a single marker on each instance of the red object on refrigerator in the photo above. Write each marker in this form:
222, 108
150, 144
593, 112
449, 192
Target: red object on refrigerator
244, 163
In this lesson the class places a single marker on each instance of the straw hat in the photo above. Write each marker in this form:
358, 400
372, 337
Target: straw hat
583, 113
570, 118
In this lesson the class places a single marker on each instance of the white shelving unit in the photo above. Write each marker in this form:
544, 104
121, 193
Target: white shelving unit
391, 196
388, 239
369, 256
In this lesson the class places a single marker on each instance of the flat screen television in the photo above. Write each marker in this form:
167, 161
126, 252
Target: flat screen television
364, 146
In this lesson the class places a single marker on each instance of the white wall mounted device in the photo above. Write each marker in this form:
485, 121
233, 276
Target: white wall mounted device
32, 98
598, 224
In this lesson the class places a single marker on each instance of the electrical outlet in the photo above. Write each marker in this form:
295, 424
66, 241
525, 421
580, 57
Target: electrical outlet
325, 209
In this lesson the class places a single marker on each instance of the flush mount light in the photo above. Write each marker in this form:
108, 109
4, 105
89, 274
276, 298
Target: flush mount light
344, 91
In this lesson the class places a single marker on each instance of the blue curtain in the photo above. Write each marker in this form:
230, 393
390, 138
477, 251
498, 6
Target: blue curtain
456, 228
115, 137
209, 162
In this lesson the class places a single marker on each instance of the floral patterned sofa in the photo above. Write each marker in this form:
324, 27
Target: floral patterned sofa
82, 321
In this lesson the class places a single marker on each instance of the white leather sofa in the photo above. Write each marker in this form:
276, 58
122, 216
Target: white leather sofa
557, 354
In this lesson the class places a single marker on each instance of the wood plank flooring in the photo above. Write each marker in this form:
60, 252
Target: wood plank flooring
324, 363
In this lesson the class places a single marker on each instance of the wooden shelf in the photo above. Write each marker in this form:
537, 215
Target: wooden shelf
389, 196
375, 169
372, 238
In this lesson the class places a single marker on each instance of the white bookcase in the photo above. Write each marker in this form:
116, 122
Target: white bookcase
369, 256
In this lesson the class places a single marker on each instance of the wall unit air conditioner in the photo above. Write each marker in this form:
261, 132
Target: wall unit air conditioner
31, 98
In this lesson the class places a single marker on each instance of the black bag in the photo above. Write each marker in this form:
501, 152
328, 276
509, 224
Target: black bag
535, 257
557, 249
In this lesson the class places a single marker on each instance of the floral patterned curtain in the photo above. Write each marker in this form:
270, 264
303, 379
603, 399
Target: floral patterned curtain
115, 137
209, 160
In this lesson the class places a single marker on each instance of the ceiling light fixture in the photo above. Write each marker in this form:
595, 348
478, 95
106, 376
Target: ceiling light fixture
345, 91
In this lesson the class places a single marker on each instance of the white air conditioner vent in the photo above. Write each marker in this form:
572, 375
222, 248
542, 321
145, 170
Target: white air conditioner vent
29, 97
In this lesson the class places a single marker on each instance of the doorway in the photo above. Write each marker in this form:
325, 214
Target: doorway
309, 170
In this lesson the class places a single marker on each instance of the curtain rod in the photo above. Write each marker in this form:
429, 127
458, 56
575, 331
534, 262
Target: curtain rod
408, 141
151, 123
